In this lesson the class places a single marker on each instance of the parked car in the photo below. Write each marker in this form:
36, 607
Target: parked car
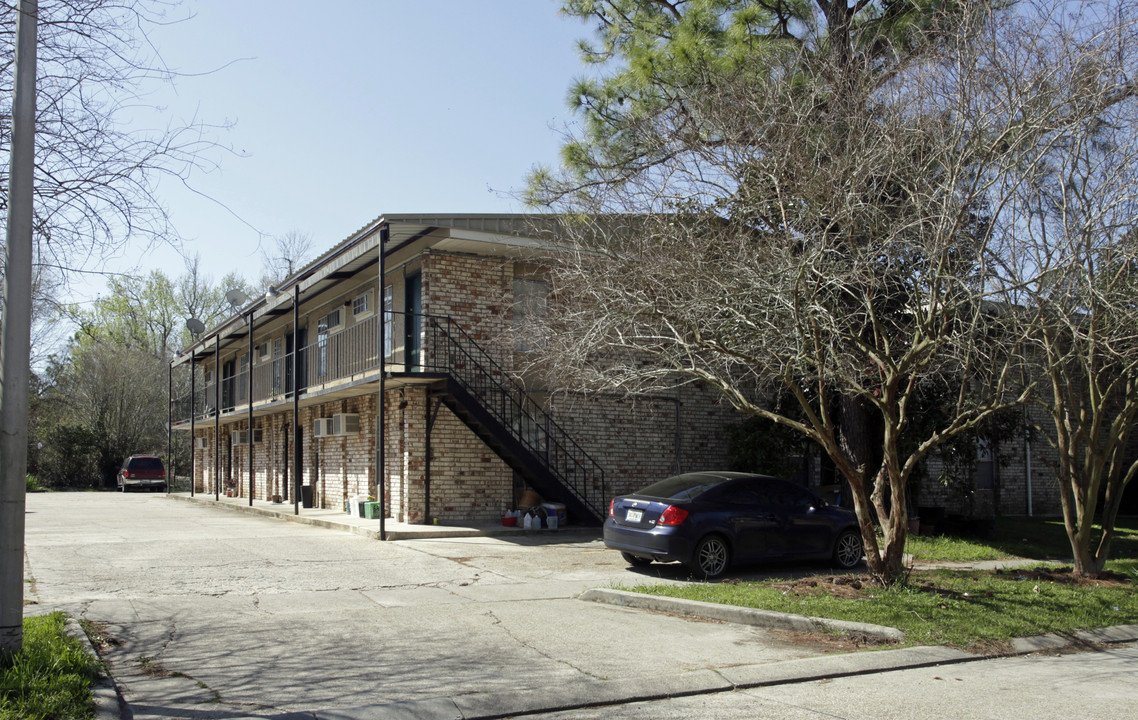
712, 520
142, 471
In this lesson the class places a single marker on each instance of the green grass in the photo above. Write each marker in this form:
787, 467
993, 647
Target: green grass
964, 608
50, 678
1042, 539
941, 607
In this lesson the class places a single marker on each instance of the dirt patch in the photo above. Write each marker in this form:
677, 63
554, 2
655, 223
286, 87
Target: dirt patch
852, 587
1065, 576
832, 643
846, 587
99, 635
152, 668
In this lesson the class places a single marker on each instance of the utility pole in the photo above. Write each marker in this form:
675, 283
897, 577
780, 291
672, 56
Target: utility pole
15, 349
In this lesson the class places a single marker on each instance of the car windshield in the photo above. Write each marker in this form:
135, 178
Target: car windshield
145, 463
681, 487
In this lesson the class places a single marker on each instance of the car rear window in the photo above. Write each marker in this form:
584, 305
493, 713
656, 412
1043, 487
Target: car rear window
144, 463
681, 487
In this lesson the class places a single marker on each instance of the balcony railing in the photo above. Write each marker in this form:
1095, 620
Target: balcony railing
412, 344
332, 358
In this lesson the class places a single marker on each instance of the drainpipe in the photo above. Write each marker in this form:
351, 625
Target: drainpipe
217, 418
380, 424
432, 415
193, 439
249, 391
1027, 460
677, 441
170, 424
297, 431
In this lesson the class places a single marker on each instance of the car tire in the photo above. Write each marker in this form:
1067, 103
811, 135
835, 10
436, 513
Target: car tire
848, 549
711, 557
636, 560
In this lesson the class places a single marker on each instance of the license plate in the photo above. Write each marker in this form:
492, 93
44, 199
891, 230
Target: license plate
634, 516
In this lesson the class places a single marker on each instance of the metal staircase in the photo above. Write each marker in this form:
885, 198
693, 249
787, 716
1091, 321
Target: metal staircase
526, 437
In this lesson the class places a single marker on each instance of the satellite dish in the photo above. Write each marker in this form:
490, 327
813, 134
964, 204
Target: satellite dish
236, 298
195, 326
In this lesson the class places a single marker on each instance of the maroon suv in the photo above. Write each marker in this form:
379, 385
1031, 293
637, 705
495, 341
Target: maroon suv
142, 471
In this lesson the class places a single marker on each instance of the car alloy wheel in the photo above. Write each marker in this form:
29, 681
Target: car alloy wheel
848, 550
711, 557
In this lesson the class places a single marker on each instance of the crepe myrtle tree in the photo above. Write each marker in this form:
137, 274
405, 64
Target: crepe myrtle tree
816, 225
1071, 267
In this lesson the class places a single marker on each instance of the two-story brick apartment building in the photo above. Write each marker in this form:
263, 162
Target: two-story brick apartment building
302, 368
461, 439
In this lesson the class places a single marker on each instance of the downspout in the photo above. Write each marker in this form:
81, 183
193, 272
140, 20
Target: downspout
1027, 463
249, 391
217, 418
678, 464
193, 439
431, 417
380, 424
297, 432
170, 424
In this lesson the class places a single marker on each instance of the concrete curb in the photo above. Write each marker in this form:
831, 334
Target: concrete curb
1099, 636
739, 615
103, 691
484, 706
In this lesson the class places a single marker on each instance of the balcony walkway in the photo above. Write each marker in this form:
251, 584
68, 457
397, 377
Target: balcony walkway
339, 520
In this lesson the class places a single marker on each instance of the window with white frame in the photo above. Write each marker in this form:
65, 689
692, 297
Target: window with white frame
361, 305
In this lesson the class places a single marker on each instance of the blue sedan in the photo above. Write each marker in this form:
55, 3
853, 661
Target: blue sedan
712, 520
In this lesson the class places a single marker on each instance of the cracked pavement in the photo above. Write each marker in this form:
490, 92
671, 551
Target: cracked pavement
216, 614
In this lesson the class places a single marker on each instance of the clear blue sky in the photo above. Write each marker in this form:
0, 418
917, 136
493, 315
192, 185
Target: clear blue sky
343, 111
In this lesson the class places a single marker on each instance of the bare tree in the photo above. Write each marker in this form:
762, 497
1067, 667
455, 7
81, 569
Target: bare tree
283, 256
95, 177
824, 262
1072, 263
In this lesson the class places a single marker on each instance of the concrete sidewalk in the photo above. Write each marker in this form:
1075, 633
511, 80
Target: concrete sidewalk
723, 680
339, 520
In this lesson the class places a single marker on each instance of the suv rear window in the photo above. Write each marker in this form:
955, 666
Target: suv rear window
144, 463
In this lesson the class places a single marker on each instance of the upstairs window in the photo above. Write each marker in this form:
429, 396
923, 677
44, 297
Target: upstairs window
361, 305
531, 298
331, 321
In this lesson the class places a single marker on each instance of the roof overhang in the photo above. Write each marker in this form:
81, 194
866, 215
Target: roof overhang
516, 236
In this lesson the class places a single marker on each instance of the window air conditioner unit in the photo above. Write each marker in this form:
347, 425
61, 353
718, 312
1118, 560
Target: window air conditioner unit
241, 437
346, 424
201, 443
322, 427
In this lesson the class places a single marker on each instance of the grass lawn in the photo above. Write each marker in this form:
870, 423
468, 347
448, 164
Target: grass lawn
969, 609
1039, 539
50, 678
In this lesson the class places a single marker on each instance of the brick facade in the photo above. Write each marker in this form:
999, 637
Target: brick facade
636, 439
